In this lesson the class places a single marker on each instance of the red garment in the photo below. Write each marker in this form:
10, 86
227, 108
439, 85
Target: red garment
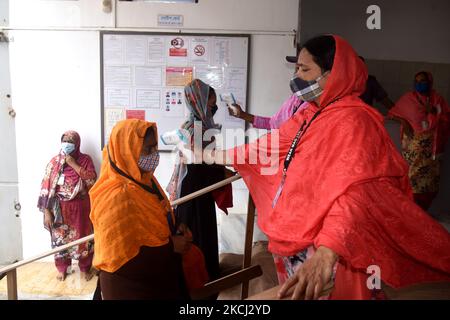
347, 189
77, 225
57, 166
223, 197
194, 268
411, 108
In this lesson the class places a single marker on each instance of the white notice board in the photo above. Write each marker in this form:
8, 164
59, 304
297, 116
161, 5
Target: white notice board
144, 74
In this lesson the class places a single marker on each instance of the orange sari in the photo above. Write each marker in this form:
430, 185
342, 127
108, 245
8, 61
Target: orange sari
124, 215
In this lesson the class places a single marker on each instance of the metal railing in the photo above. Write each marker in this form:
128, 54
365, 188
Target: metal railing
246, 272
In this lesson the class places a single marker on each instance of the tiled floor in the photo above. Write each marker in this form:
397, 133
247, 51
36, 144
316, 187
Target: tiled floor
38, 281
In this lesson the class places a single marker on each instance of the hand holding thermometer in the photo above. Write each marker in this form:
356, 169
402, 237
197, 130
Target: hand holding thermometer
233, 107
177, 139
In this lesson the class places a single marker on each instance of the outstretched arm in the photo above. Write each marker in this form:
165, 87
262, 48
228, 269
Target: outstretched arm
235, 110
220, 157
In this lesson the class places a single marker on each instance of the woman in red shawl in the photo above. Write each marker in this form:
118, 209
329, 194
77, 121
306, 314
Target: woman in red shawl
339, 203
64, 200
425, 118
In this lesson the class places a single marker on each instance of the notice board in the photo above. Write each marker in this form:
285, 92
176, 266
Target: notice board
143, 76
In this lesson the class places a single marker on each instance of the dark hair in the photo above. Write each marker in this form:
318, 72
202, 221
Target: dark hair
211, 91
322, 48
62, 137
423, 73
150, 132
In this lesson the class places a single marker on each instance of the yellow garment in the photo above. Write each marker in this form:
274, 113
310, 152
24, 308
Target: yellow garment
124, 215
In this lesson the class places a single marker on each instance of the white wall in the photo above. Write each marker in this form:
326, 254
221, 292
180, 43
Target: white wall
56, 76
4, 12
44, 14
211, 15
410, 30
55, 85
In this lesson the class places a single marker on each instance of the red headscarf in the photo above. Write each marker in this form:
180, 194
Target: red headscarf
344, 156
56, 167
411, 108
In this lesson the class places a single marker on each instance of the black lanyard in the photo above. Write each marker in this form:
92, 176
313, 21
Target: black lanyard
153, 190
291, 153
297, 106
294, 144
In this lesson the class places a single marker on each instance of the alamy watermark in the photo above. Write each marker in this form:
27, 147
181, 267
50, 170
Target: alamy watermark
373, 22
374, 280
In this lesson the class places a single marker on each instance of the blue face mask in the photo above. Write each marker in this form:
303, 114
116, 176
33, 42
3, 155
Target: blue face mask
67, 147
422, 87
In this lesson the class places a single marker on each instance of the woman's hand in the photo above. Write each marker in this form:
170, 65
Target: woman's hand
48, 219
313, 277
235, 110
185, 231
182, 243
73, 163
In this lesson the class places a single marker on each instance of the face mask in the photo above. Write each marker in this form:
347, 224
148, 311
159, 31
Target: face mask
422, 87
214, 109
67, 147
306, 90
149, 162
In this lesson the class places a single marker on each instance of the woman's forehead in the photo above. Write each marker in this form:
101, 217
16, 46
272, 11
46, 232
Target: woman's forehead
421, 77
305, 58
68, 138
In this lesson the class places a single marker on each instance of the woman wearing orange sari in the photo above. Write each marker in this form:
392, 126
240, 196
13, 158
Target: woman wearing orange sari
338, 203
135, 252
425, 118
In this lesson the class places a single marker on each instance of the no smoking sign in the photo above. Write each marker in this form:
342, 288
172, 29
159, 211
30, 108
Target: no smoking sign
199, 50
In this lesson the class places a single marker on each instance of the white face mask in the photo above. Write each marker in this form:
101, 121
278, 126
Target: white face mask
67, 147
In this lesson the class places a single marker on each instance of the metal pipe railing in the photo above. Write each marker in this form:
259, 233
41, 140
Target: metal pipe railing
10, 270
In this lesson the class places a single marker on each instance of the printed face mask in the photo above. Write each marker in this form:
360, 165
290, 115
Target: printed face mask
306, 90
149, 162
67, 147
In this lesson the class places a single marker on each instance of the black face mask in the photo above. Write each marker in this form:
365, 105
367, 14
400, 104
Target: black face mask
214, 109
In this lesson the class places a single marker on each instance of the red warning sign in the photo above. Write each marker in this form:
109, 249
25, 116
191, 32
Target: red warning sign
174, 52
135, 114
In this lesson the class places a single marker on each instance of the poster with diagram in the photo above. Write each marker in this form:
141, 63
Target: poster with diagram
144, 75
